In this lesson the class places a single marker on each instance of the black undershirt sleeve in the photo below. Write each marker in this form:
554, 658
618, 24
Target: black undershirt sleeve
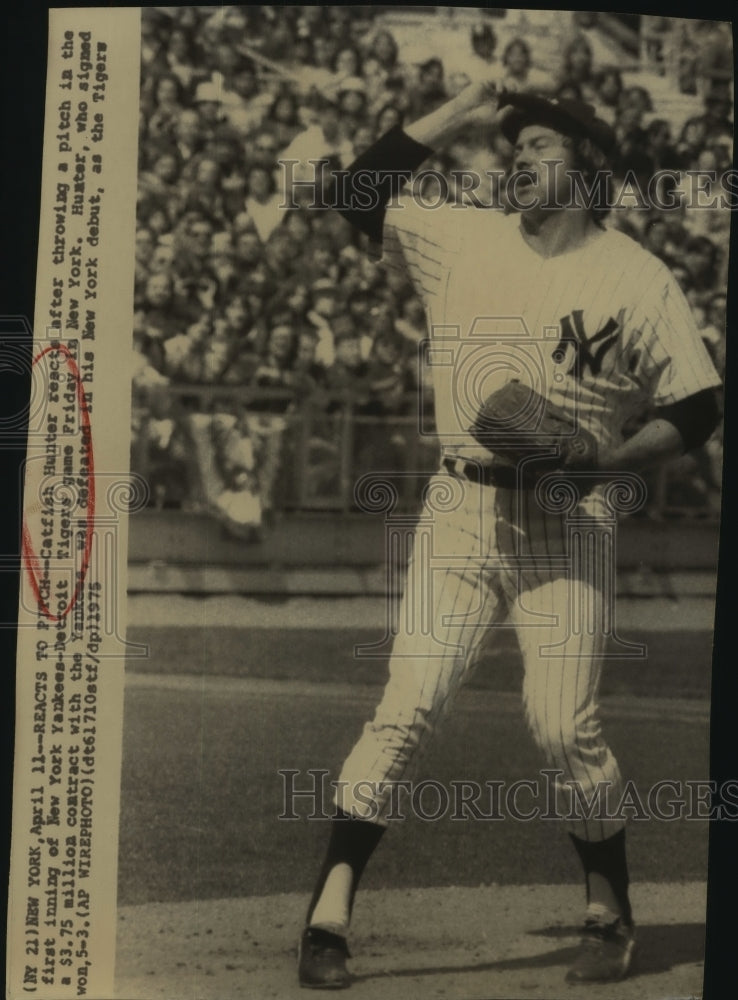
374, 177
695, 417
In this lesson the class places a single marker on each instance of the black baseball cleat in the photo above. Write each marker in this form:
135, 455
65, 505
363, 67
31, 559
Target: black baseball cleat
605, 952
322, 960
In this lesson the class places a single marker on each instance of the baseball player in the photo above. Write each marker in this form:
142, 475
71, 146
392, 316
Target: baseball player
543, 312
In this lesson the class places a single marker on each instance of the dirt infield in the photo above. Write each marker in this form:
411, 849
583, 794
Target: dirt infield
449, 943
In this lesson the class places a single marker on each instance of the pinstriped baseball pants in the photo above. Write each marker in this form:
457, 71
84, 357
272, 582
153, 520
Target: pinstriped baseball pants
483, 558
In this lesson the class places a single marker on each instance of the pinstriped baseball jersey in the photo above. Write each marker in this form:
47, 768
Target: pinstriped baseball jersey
601, 330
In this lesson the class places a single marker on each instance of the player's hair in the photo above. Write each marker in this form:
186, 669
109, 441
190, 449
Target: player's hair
589, 161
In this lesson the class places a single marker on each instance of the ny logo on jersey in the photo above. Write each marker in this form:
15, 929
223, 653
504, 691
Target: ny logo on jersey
579, 352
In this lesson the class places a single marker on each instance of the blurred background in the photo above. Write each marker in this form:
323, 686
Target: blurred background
277, 363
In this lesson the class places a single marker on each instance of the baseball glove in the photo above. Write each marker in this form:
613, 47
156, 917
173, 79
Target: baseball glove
520, 425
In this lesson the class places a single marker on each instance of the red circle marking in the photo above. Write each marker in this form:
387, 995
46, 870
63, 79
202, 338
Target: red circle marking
29, 556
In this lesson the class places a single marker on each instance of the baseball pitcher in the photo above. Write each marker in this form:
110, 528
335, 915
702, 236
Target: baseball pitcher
551, 331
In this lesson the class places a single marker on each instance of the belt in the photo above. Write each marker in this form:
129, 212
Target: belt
503, 477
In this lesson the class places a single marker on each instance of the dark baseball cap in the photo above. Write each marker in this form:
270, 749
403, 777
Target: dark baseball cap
570, 117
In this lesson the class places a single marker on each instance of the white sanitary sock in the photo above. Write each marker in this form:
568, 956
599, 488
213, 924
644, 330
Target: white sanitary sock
332, 909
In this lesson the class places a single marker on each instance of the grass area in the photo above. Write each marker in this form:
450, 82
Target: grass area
678, 663
201, 795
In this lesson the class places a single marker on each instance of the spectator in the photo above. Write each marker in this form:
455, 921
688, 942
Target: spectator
222, 264
162, 259
412, 322
282, 254
429, 91
340, 23
324, 307
167, 107
239, 502
298, 225
691, 141
388, 374
248, 249
577, 66
264, 150
188, 134
153, 57
656, 239
302, 51
713, 62
243, 106
205, 196
307, 375
162, 315
516, 59
484, 41
717, 110
283, 118
218, 352
348, 375
325, 50
352, 103
347, 62
237, 326
162, 452
164, 173
297, 302
183, 353
193, 243
182, 57
659, 145
632, 142
277, 361
207, 104
143, 253
323, 249
362, 139
721, 144
608, 86
384, 49
683, 278
387, 117
263, 201
700, 260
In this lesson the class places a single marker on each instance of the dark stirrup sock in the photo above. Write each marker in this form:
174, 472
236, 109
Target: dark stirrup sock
352, 842
607, 859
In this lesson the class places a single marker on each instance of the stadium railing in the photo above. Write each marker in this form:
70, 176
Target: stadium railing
318, 452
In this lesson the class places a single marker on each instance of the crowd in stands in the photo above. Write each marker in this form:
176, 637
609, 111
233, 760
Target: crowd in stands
234, 291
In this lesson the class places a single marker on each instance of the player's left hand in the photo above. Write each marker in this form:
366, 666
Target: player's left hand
515, 422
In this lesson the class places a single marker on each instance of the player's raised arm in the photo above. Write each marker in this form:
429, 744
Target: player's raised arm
450, 117
381, 170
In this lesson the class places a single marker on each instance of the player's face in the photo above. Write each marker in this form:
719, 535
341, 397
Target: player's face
547, 156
